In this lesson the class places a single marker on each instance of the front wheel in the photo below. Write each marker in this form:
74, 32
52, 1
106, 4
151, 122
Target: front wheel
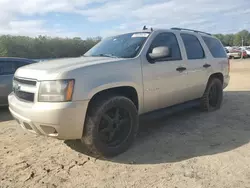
213, 95
111, 125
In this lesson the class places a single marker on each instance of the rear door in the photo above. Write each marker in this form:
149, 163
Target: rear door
198, 66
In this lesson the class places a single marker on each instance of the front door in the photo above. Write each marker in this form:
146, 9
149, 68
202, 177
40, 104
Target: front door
164, 79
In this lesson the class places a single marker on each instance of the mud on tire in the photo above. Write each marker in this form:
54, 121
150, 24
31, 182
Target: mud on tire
108, 113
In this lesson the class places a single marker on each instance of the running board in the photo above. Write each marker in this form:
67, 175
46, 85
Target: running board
171, 110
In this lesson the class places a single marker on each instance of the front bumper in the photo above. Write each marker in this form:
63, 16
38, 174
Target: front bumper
59, 120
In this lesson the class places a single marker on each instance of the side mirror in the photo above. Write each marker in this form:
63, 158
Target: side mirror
159, 52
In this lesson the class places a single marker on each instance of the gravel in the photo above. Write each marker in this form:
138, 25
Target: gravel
187, 149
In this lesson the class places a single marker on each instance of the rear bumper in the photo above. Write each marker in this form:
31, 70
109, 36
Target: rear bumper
226, 81
59, 120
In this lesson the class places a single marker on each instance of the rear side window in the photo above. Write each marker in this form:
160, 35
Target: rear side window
215, 47
193, 46
169, 40
7, 68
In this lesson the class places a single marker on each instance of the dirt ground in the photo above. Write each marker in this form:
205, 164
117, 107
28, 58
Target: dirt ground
188, 149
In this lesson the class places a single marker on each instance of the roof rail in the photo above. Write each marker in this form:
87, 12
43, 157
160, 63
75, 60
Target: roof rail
177, 28
145, 28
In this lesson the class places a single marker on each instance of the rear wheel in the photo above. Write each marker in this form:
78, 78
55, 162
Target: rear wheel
111, 125
213, 95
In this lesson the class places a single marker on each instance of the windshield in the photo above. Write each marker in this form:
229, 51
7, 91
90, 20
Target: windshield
121, 46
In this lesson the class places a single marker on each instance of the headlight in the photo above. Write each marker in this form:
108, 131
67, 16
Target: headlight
56, 91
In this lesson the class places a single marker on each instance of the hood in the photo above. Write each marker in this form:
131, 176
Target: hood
53, 68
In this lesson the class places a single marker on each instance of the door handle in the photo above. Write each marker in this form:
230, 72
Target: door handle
206, 65
181, 69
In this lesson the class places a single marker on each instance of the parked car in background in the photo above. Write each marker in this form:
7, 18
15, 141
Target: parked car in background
8, 67
248, 51
233, 54
227, 51
244, 54
236, 53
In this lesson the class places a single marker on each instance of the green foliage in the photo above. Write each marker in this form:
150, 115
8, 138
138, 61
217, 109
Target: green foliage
235, 39
44, 47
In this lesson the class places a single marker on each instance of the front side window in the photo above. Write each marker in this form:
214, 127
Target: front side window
121, 46
215, 47
193, 46
169, 40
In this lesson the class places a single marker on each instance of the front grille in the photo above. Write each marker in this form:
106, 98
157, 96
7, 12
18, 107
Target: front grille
24, 89
25, 96
27, 82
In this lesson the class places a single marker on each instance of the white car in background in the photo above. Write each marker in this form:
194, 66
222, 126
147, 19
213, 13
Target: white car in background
248, 51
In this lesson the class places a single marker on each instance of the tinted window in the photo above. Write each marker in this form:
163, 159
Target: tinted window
193, 47
10, 67
20, 64
215, 47
7, 68
124, 46
169, 40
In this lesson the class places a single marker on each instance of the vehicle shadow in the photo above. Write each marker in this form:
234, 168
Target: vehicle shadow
5, 114
189, 133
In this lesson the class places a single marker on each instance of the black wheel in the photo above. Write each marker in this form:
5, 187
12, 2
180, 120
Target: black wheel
213, 95
111, 126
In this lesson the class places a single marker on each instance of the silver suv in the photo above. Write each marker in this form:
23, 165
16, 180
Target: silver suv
98, 97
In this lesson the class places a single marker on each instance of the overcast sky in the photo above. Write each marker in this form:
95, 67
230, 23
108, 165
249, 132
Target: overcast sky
85, 18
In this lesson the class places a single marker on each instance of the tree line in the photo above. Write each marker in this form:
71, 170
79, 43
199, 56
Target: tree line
235, 39
44, 47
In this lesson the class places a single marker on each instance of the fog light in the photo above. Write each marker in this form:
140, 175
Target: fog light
27, 126
48, 129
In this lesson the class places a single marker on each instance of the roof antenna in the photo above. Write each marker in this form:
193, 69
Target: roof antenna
144, 28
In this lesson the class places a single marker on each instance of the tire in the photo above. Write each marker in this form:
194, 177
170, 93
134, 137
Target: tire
95, 119
211, 105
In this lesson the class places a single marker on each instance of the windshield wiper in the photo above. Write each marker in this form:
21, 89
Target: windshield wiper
105, 55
